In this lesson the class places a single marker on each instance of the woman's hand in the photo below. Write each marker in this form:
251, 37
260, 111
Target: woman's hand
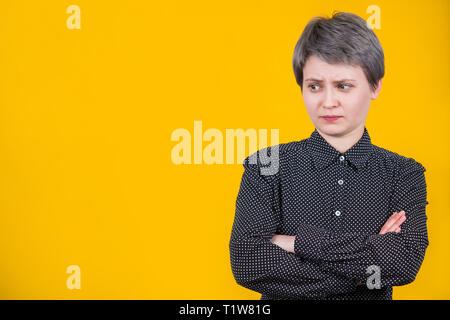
283, 241
393, 223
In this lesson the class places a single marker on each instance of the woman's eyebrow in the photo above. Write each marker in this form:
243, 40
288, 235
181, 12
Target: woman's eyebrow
336, 81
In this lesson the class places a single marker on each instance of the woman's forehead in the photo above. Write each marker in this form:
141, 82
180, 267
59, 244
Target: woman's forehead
318, 69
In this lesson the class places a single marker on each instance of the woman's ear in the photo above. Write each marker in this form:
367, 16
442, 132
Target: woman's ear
377, 90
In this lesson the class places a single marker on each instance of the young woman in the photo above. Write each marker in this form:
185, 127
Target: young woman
341, 218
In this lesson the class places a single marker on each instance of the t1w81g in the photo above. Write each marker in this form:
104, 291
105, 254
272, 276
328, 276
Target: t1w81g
246, 309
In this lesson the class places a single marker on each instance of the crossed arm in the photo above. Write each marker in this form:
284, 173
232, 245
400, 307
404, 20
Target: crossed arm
392, 225
316, 263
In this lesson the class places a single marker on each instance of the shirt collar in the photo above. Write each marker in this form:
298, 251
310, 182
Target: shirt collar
323, 153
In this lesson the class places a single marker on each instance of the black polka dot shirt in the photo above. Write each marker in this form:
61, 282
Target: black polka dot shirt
335, 205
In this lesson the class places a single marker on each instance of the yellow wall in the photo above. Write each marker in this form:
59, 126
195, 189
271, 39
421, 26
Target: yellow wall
87, 115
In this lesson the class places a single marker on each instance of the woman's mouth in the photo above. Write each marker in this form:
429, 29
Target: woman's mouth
331, 118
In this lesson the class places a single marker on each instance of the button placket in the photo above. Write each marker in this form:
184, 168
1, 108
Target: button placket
339, 208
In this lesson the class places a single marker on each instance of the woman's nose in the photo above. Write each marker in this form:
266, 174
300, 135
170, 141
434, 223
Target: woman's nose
330, 100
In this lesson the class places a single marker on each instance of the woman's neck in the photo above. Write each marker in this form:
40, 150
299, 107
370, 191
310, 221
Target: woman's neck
344, 142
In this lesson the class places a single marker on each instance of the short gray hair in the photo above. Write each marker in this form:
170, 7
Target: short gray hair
343, 38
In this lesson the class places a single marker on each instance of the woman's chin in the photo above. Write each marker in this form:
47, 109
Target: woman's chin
332, 129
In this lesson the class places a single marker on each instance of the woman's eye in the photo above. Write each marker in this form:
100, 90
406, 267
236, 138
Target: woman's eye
313, 87
343, 85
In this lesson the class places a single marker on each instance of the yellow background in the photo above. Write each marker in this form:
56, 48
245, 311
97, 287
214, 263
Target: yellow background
86, 119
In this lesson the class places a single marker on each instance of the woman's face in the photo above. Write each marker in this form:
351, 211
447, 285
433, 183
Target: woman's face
337, 90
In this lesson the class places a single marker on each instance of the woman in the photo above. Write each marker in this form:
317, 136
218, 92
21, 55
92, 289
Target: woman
341, 218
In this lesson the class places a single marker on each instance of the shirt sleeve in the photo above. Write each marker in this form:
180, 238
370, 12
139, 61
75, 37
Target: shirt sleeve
398, 256
264, 267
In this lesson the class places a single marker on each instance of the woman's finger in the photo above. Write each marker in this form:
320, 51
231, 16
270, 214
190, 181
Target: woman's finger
397, 223
388, 224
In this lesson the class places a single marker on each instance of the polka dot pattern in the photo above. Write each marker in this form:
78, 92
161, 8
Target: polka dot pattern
335, 205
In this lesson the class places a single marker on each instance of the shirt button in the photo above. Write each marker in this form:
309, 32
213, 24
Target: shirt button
342, 158
341, 182
337, 213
